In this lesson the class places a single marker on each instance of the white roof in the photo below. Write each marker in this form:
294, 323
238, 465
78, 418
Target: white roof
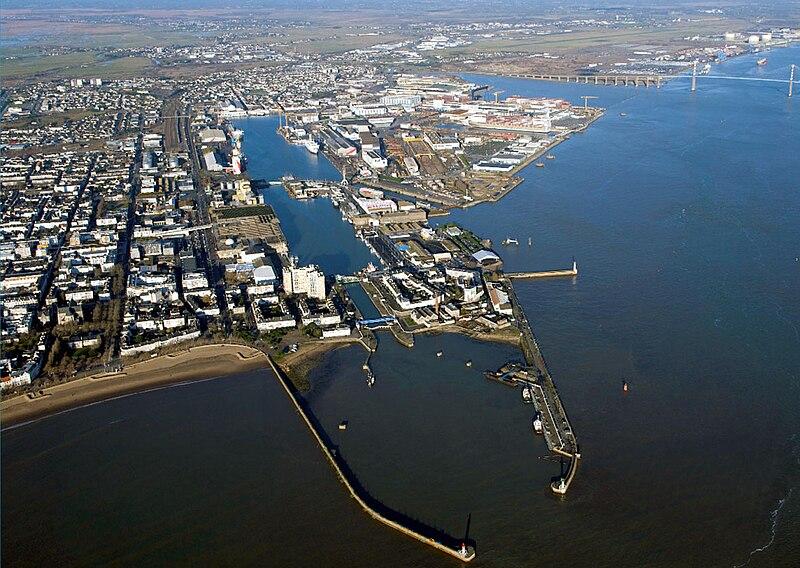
485, 255
265, 272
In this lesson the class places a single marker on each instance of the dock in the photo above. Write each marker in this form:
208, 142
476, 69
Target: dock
459, 549
567, 272
558, 432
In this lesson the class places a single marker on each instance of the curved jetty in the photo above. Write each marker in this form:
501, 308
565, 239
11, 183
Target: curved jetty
456, 548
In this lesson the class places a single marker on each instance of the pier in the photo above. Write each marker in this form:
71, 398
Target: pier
439, 540
557, 430
615, 80
568, 272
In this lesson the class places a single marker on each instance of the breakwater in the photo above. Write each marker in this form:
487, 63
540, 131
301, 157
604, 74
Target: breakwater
462, 549
558, 431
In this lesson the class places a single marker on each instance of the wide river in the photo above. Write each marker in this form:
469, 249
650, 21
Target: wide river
683, 211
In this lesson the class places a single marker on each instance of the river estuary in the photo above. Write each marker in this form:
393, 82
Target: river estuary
683, 211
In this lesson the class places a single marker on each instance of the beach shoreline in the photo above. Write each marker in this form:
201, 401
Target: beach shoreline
191, 364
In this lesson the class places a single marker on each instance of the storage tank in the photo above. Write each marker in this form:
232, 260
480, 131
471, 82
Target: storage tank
766, 38
730, 36
753, 39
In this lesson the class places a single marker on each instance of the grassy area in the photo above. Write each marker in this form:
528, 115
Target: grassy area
69, 65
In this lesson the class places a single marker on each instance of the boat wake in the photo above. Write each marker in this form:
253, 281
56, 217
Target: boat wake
774, 515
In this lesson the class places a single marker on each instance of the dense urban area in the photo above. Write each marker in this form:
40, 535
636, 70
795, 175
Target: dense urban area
130, 223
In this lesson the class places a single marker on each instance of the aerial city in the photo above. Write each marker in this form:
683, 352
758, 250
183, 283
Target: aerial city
407, 284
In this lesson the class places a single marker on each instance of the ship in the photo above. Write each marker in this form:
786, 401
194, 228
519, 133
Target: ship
311, 146
538, 427
509, 241
761, 62
527, 395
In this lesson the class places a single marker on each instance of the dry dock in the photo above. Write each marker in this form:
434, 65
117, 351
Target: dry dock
410, 527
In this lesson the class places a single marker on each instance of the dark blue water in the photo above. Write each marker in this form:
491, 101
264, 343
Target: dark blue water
683, 216
313, 228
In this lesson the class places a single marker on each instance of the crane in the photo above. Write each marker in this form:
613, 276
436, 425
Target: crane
586, 101
497, 95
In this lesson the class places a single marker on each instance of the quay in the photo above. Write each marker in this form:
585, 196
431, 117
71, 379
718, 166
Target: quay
544, 273
428, 535
615, 80
557, 430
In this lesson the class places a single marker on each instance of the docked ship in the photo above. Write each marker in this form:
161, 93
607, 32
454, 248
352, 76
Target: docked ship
311, 146
761, 62
538, 427
527, 395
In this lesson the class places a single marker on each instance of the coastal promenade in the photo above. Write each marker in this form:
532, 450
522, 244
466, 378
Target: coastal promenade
410, 527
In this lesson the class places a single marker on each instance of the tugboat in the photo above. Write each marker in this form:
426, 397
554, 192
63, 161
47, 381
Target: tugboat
538, 427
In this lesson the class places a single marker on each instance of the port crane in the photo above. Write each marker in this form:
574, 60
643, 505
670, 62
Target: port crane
586, 101
497, 95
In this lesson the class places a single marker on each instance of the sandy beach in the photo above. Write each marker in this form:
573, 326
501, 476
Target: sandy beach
201, 362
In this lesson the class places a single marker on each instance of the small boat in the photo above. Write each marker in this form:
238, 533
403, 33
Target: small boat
623, 114
530, 241
343, 425
509, 241
469, 363
624, 386
761, 62
538, 427
439, 353
539, 164
527, 395
551, 157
